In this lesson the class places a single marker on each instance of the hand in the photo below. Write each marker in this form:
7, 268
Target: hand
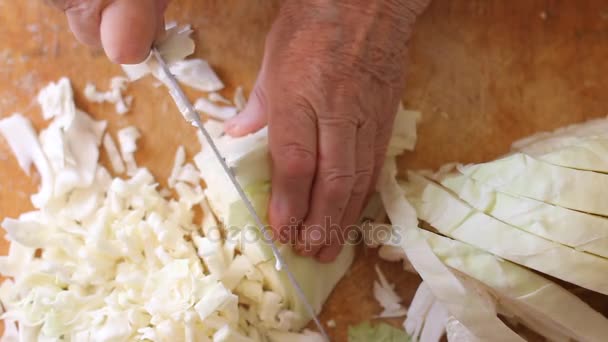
126, 29
329, 87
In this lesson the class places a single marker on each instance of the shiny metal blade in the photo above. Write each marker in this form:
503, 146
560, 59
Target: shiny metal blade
188, 111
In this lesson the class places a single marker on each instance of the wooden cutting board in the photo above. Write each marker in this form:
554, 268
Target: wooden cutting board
483, 72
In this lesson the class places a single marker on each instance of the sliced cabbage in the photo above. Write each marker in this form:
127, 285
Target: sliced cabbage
21, 137
546, 142
385, 295
178, 162
113, 155
536, 301
453, 217
522, 175
461, 298
127, 138
587, 153
427, 317
213, 110
572, 228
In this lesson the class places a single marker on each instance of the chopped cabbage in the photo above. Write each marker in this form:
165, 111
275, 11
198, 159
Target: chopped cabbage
127, 138
119, 261
114, 95
385, 295
113, 155
196, 73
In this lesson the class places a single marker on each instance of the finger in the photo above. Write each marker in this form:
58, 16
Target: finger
366, 135
333, 184
293, 148
383, 137
251, 119
83, 18
128, 29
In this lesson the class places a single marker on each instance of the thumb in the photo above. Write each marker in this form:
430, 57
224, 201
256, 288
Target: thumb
252, 118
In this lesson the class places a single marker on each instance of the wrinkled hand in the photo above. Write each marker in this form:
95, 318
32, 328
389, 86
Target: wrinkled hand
329, 87
126, 29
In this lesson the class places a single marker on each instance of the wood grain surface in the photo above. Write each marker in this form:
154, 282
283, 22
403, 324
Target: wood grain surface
483, 72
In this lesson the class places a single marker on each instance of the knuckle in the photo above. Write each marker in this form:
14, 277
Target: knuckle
294, 160
363, 180
338, 183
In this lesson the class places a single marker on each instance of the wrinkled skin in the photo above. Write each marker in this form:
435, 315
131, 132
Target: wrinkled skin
329, 87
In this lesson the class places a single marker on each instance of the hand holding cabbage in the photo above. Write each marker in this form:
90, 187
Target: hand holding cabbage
329, 87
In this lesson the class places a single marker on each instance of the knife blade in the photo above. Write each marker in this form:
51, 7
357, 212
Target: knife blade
189, 113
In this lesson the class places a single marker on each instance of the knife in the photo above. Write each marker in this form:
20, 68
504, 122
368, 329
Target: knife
189, 113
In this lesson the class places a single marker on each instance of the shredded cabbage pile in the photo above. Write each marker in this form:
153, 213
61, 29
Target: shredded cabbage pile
113, 259
540, 208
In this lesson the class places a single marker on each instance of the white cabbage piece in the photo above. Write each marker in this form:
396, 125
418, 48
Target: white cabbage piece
305, 336
404, 132
427, 317
114, 95
113, 155
127, 138
57, 99
178, 162
213, 110
81, 140
460, 298
572, 228
395, 253
21, 137
453, 217
385, 295
174, 48
189, 174
196, 73
545, 142
218, 98
526, 176
457, 332
588, 153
